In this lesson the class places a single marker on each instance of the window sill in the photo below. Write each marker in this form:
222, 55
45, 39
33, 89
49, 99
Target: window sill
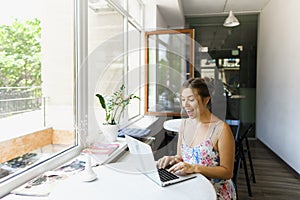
40, 168
144, 122
31, 141
62, 148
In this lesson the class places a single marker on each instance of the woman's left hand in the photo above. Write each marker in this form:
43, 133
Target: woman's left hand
182, 168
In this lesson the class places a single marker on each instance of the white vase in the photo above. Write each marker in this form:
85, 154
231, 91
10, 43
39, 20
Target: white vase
110, 132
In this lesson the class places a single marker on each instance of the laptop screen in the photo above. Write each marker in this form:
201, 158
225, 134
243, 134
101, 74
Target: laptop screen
142, 155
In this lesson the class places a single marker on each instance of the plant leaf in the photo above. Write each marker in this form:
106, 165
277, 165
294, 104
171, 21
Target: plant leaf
107, 118
101, 100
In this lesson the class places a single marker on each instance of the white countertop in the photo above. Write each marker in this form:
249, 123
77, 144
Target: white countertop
121, 180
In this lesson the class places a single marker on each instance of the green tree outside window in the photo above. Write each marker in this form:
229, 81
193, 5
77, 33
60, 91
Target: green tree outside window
20, 52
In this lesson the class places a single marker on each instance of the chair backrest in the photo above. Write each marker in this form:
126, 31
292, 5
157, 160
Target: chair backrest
248, 131
235, 127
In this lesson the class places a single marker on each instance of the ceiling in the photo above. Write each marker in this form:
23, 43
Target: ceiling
171, 9
207, 17
209, 7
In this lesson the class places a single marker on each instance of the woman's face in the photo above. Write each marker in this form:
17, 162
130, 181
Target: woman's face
192, 103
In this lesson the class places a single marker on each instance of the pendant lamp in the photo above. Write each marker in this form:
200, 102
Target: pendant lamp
231, 20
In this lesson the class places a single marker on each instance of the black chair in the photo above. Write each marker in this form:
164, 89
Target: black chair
235, 127
247, 151
240, 158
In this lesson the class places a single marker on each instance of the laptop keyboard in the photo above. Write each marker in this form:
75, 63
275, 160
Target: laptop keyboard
165, 175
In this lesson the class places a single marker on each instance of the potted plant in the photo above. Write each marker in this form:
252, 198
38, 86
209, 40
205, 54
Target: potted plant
114, 106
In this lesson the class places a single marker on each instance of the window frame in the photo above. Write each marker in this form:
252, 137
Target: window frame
80, 95
128, 19
58, 159
191, 34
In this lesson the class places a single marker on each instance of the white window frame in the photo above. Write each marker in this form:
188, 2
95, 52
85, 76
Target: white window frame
81, 97
80, 109
140, 27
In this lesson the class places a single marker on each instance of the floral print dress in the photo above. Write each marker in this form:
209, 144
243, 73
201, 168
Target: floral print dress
204, 154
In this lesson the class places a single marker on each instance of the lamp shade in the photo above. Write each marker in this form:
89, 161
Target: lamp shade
231, 20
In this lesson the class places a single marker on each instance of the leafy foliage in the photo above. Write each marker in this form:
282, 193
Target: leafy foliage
20, 52
115, 105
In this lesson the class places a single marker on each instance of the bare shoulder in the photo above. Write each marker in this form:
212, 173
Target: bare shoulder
226, 127
222, 125
226, 131
223, 135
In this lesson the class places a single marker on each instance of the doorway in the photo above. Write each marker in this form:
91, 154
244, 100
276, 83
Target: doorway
232, 51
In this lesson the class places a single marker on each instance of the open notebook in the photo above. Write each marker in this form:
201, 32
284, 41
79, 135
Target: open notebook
145, 163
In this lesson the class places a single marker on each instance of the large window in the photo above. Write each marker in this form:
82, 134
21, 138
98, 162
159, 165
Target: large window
77, 48
114, 57
37, 85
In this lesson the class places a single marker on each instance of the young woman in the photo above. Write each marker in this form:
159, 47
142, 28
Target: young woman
205, 143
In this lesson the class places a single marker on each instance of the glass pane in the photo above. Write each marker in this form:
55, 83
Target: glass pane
36, 82
135, 10
168, 68
120, 3
105, 59
134, 69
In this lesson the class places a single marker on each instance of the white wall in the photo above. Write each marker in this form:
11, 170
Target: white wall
160, 21
150, 15
278, 70
162, 15
153, 18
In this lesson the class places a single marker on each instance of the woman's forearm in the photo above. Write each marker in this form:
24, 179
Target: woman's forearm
219, 172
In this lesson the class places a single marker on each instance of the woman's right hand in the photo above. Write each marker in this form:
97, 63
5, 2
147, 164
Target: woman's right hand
167, 161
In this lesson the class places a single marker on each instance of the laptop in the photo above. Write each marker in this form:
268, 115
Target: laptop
144, 162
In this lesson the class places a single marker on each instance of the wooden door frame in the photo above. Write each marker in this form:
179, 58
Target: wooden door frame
191, 32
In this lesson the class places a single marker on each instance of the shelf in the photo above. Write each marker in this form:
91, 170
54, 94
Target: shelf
229, 68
